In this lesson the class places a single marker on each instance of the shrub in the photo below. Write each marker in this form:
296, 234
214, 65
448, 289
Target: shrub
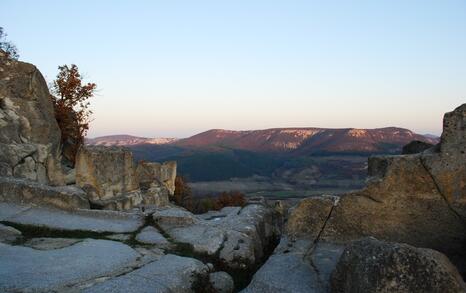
183, 197
70, 100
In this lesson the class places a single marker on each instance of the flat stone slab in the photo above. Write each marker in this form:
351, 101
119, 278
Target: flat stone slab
44, 243
170, 274
150, 235
79, 220
174, 216
204, 238
22, 191
10, 209
296, 268
24, 268
284, 273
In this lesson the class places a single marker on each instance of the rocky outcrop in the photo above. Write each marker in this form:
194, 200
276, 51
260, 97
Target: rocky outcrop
113, 181
29, 133
157, 181
235, 239
16, 190
415, 147
369, 265
416, 199
105, 172
290, 269
157, 174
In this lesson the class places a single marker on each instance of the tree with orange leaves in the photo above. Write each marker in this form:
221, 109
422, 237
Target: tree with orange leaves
71, 102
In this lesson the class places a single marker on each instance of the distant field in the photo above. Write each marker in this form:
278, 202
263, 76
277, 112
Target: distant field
282, 194
273, 189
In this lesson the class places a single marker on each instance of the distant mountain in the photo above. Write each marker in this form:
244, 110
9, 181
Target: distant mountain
306, 140
127, 140
305, 158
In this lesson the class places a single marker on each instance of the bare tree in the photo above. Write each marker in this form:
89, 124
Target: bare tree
8, 47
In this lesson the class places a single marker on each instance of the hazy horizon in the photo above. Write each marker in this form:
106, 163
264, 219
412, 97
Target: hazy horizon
167, 69
179, 137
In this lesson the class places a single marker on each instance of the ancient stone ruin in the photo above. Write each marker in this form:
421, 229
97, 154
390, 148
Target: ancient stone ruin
108, 225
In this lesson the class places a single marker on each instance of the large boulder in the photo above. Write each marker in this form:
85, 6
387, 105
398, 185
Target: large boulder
369, 265
29, 133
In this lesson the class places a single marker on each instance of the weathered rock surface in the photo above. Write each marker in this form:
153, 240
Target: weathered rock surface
222, 282
403, 202
9, 234
79, 220
105, 172
239, 236
369, 265
150, 235
112, 180
174, 216
29, 133
292, 268
171, 273
158, 174
23, 191
24, 268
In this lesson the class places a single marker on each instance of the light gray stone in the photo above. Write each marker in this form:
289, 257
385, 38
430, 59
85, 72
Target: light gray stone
297, 266
24, 191
8, 210
174, 216
222, 282
150, 235
170, 274
24, 268
79, 220
203, 238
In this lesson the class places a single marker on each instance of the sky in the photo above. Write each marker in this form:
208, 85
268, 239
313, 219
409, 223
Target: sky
176, 68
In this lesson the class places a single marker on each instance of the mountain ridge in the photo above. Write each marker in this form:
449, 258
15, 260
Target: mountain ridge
289, 139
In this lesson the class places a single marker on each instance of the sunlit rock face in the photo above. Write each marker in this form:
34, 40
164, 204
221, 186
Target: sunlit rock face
417, 199
29, 133
113, 181
105, 172
157, 181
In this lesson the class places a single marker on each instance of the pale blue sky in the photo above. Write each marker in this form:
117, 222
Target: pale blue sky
175, 68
